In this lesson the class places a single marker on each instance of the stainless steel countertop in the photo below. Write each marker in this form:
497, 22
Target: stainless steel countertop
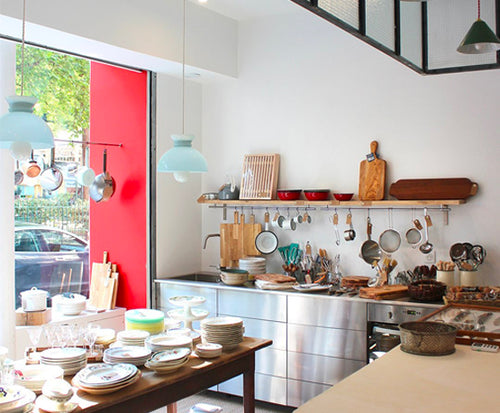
250, 287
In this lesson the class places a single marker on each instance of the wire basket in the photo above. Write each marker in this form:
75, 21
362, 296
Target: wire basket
427, 338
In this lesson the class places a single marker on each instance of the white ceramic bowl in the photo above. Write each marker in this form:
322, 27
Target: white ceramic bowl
234, 276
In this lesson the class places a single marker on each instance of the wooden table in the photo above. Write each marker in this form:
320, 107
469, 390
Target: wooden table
153, 391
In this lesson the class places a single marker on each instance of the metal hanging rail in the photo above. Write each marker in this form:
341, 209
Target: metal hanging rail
89, 143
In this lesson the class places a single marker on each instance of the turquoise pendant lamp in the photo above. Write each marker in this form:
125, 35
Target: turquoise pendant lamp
20, 129
182, 160
480, 38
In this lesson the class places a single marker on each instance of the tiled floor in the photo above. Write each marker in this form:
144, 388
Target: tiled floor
229, 404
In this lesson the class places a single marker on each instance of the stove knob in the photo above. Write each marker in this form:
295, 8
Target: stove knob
390, 315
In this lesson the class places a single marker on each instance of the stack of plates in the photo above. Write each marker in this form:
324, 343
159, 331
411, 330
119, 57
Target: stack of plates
34, 376
105, 336
163, 342
132, 337
70, 359
208, 350
16, 399
168, 361
69, 303
254, 265
106, 378
227, 331
132, 355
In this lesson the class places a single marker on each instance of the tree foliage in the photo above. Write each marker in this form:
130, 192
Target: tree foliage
61, 84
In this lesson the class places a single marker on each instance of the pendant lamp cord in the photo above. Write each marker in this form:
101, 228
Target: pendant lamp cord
479, 9
183, 64
22, 47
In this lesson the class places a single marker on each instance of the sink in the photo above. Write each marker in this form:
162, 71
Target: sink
208, 277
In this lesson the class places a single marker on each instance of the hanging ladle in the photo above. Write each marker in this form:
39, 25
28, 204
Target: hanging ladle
426, 247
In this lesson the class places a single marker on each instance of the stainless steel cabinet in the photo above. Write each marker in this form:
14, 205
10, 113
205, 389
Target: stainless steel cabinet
267, 388
299, 391
256, 304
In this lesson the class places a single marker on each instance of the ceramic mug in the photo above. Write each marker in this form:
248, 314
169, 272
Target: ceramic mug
289, 224
277, 221
298, 219
85, 176
470, 278
447, 277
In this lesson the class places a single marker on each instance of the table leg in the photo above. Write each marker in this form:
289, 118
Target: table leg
172, 408
249, 386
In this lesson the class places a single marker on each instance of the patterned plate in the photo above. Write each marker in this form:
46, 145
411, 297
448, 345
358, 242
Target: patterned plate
102, 375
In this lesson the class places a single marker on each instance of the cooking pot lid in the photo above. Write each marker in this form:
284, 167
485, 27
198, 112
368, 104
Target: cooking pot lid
34, 291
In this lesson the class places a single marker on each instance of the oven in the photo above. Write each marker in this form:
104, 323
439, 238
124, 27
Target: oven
383, 321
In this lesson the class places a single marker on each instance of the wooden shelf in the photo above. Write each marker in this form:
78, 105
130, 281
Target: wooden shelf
387, 203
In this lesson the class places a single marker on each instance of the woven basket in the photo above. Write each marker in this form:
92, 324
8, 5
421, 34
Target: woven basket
427, 290
427, 338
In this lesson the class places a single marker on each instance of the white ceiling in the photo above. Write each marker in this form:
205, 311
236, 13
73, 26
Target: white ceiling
249, 9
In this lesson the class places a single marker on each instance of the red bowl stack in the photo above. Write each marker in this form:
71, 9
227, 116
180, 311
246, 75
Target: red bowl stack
317, 194
289, 194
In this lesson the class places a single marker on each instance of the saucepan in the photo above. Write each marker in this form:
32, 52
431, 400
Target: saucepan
103, 186
51, 178
370, 250
266, 241
32, 169
413, 235
18, 175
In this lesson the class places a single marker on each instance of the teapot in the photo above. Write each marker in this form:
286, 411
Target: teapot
229, 190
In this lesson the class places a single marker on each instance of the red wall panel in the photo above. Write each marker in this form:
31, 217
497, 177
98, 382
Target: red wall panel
118, 114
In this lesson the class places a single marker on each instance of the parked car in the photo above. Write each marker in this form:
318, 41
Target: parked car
50, 259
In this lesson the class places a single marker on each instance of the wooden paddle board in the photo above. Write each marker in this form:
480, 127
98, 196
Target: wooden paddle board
372, 176
432, 189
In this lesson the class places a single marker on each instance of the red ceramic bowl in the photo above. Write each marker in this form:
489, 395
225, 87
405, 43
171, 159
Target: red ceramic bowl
317, 194
343, 197
289, 194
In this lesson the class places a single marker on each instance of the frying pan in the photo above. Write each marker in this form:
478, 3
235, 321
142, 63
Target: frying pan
33, 169
103, 186
266, 241
51, 178
18, 175
370, 250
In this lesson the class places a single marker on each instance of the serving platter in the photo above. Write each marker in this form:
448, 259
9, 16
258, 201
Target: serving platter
310, 288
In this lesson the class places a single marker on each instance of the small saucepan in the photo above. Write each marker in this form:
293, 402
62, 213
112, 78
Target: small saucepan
266, 241
32, 169
370, 250
51, 178
103, 186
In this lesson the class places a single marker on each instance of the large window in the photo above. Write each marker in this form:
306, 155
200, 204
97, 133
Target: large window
52, 225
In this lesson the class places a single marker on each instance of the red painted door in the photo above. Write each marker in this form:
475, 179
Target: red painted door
119, 114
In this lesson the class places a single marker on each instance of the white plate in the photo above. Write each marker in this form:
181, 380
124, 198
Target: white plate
10, 395
191, 300
170, 355
304, 288
132, 335
63, 354
221, 321
127, 352
105, 374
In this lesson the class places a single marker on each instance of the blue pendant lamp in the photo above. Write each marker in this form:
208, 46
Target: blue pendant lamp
480, 38
20, 129
182, 160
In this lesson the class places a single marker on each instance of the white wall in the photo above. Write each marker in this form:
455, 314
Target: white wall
318, 96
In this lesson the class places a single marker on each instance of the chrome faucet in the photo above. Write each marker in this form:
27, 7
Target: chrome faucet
207, 237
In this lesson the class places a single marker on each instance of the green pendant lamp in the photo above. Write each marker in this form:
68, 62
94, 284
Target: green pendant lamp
182, 160
20, 129
480, 38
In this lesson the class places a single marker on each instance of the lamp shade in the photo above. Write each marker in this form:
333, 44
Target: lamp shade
479, 39
20, 124
182, 157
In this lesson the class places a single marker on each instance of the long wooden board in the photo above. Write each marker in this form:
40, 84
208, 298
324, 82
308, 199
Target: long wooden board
437, 188
372, 176
386, 292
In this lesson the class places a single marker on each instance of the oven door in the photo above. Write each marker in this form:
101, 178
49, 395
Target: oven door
382, 337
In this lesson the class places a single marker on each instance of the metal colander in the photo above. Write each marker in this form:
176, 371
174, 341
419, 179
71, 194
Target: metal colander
427, 338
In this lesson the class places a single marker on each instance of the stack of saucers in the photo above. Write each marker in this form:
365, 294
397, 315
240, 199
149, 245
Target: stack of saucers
70, 359
106, 378
208, 350
34, 376
16, 399
163, 342
132, 337
168, 361
132, 354
226, 331
254, 265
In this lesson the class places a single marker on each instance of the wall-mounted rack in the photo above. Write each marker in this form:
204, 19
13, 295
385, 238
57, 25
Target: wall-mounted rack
89, 143
438, 205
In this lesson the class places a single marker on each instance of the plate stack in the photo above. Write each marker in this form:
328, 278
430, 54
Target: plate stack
168, 361
106, 378
69, 303
105, 336
34, 376
163, 342
132, 355
70, 359
128, 338
16, 399
208, 350
226, 331
254, 265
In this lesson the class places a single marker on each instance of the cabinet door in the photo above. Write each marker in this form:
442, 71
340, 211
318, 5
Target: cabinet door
299, 392
332, 342
261, 305
320, 369
327, 312
267, 388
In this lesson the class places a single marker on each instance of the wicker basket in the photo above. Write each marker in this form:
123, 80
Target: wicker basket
427, 290
427, 338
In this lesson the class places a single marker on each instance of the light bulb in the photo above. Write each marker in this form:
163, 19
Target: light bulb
181, 176
20, 151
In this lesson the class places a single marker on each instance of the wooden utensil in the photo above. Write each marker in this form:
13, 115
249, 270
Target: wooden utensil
385, 292
372, 176
429, 189
259, 179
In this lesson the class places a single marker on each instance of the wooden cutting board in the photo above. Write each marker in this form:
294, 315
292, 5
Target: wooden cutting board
429, 189
387, 292
99, 284
372, 176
